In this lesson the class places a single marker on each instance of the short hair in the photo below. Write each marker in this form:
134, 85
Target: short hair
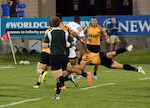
59, 16
94, 17
55, 21
76, 18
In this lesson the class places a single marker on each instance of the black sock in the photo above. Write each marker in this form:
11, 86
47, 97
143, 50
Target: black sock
63, 78
42, 72
120, 50
63, 83
95, 73
58, 88
84, 74
129, 67
38, 83
79, 60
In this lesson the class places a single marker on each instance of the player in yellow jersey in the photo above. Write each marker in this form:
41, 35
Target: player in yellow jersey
94, 32
105, 59
43, 64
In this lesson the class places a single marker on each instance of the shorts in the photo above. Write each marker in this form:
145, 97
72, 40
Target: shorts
91, 58
93, 48
114, 39
72, 53
58, 62
79, 46
44, 58
105, 61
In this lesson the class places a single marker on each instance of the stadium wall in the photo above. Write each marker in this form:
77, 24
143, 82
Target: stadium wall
29, 32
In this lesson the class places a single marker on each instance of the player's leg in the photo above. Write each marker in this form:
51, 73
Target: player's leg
116, 65
56, 70
119, 51
56, 74
95, 72
79, 69
66, 65
41, 68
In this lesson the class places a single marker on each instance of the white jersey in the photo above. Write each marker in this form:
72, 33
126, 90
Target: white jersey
75, 27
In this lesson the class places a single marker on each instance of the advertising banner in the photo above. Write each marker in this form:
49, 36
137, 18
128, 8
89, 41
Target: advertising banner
129, 25
35, 27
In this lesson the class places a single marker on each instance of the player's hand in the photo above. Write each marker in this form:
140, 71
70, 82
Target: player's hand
107, 40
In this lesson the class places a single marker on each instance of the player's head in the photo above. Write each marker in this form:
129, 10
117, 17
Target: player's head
113, 20
59, 16
76, 19
94, 21
55, 21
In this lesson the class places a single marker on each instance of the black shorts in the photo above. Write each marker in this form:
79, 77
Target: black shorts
105, 61
44, 58
93, 48
58, 62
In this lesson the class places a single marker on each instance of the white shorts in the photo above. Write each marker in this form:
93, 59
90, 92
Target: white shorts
72, 53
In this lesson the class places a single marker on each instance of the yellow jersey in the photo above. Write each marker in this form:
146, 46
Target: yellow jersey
94, 34
66, 28
47, 50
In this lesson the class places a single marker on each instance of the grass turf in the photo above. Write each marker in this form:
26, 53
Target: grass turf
127, 91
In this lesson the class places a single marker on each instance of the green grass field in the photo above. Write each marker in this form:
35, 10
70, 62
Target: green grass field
113, 89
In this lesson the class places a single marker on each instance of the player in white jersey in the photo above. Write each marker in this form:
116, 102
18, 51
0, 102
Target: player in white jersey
75, 26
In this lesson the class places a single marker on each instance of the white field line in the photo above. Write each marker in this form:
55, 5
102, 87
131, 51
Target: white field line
145, 78
19, 102
6, 67
101, 85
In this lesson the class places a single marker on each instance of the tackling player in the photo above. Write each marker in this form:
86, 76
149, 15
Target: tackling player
105, 59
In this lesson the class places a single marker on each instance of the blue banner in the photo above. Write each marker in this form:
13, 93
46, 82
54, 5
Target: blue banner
35, 27
24, 27
129, 25
32, 27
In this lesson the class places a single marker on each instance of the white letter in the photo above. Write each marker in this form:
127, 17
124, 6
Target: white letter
145, 25
133, 26
125, 27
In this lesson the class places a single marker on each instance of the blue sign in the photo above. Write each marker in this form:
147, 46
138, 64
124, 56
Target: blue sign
24, 27
129, 25
32, 27
35, 27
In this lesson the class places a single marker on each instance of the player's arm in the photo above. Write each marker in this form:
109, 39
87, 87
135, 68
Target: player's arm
105, 35
70, 39
75, 35
45, 43
85, 30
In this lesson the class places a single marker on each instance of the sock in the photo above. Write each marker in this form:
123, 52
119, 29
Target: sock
79, 60
63, 78
84, 74
42, 72
129, 67
95, 73
38, 83
120, 50
58, 88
